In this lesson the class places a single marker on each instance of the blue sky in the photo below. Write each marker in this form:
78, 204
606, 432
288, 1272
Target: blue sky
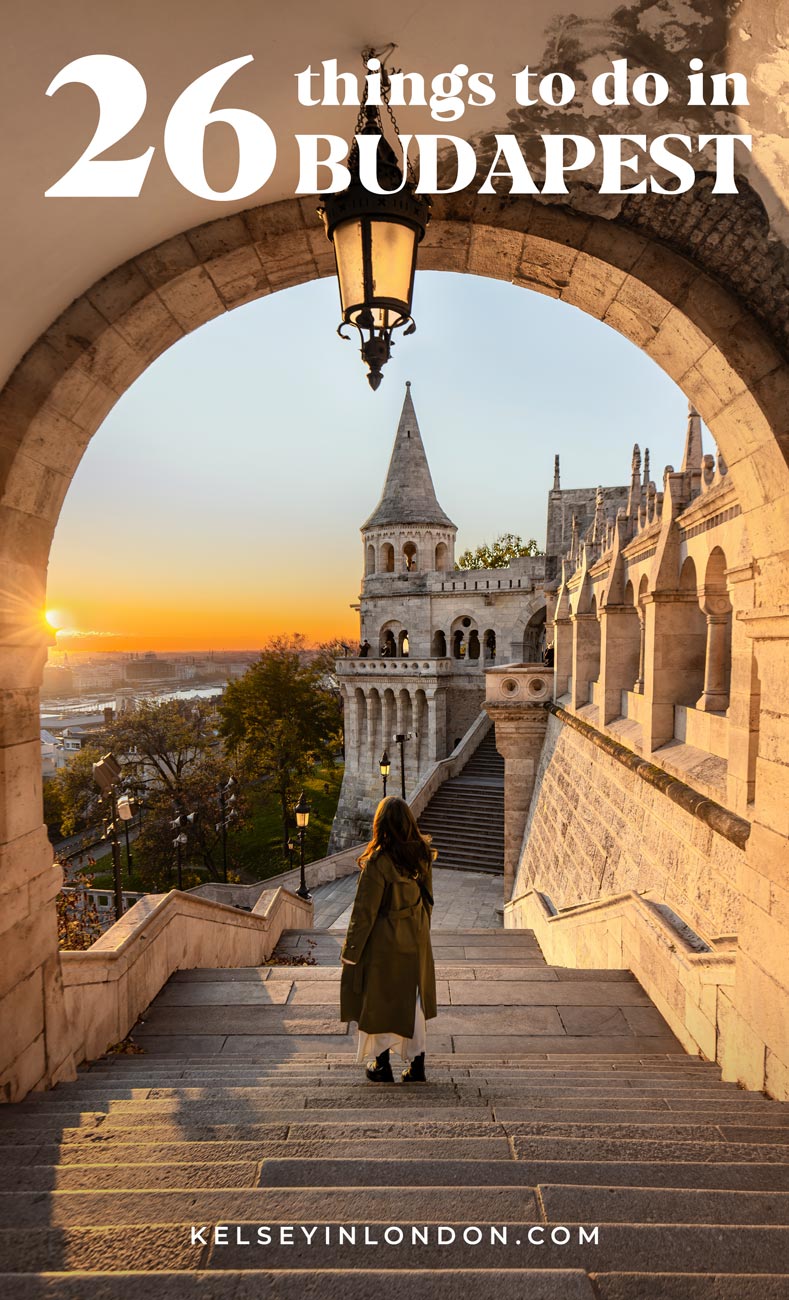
229, 483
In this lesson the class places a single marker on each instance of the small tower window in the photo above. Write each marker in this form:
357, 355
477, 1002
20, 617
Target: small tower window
409, 556
387, 558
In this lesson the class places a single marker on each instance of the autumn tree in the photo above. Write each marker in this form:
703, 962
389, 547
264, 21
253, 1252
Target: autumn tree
281, 719
499, 553
71, 796
171, 754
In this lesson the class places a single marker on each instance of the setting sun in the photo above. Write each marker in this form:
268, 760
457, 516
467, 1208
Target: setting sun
54, 618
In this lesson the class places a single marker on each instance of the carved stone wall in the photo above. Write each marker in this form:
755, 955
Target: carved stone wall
595, 828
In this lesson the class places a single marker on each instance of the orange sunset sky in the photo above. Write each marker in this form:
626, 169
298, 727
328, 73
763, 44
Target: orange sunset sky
220, 502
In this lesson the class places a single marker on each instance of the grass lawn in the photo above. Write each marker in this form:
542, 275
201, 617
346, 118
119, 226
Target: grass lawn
256, 852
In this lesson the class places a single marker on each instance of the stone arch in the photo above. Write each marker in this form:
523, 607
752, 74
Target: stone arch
389, 639
643, 588
530, 649
403, 647
459, 633
370, 561
489, 645
387, 557
716, 606
705, 337
690, 640
410, 556
622, 665
701, 335
442, 557
438, 647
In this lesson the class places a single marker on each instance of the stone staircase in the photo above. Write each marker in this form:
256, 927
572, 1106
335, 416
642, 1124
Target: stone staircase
465, 817
556, 1098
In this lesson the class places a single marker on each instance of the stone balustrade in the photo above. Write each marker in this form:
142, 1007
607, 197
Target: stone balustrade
109, 985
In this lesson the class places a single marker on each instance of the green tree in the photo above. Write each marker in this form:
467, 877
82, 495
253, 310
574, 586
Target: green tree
281, 719
170, 751
497, 554
71, 796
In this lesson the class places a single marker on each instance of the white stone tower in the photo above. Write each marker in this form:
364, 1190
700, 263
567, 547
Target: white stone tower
429, 630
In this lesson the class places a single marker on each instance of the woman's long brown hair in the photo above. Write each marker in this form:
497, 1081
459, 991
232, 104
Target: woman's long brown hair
395, 832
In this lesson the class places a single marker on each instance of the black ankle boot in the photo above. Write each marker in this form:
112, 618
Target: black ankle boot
379, 1070
416, 1070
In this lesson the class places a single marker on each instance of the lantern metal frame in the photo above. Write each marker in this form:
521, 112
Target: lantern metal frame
376, 317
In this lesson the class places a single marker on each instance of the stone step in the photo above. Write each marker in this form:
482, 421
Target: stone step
333, 1096
399, 1100
539, 1091
305, 1284
390, 1172
590, 1145
580, 1204
422, 1170
687, 1286
264, 1205
113, 1153
694, 1248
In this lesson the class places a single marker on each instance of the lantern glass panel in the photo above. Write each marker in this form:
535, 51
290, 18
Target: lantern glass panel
347, 239
393, 249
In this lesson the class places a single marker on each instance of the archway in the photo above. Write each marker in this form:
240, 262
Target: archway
705, 338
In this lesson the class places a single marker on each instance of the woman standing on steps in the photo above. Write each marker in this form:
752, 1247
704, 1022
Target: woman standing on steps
388, 983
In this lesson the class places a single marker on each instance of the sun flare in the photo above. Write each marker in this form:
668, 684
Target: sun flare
54, 618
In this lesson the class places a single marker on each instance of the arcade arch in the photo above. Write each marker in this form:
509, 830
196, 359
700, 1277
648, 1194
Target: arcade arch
707, 339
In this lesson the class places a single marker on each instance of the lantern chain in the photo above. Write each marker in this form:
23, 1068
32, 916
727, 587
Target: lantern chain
386, 90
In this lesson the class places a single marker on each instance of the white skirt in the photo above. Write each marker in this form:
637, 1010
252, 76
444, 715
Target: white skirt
370, 1045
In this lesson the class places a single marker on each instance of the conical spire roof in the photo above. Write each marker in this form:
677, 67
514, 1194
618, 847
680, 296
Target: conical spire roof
408, 496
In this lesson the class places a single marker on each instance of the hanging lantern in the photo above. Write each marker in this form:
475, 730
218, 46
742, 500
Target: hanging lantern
375, 239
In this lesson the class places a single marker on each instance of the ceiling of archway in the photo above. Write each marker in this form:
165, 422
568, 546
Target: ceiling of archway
55, 249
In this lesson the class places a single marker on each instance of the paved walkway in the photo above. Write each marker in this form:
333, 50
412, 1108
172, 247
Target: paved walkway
496, 997
465, 900
555, 1097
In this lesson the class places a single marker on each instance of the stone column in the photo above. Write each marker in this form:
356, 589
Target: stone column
562, 655
35, 1047
638, 685
618, 651
752, 1014
515, 699
717, 660
372, 757
586, 657
437, 725
744, 695
670, 653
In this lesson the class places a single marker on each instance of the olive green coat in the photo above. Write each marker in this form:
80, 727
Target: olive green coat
389, 940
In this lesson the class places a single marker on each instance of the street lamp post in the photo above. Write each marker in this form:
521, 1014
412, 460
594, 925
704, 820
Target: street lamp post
291, 847
226, 796
302, 821
179, 842
385, 767
106, 774
126, 813
179, 824
401, 738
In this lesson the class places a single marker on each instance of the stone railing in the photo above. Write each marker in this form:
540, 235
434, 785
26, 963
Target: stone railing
397, 664
449, 767
108, 986
689, 978
319, 872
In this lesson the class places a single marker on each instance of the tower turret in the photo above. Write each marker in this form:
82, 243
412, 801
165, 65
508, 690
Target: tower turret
408, 531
